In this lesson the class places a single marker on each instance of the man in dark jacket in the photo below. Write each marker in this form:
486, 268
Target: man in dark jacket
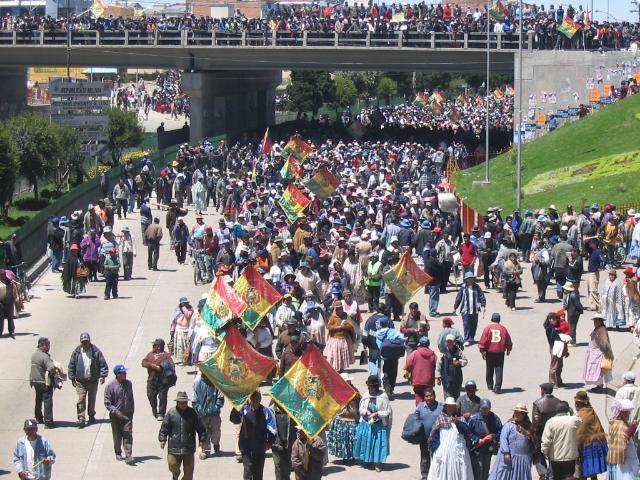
207, 402
543, 409
55, 240
41, 366
257, 434
179, 427
87, 367
119, 401
485, 427
157, 389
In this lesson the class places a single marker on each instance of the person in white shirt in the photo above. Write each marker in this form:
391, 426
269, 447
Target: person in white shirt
629, 391
33, 455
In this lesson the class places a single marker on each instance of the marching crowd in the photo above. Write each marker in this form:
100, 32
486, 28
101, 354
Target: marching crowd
166, 97
329, 265
463, 113
424, 18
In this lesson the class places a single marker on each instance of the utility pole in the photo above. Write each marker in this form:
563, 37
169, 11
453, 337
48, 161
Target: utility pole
488, 119
519, 117
68, 45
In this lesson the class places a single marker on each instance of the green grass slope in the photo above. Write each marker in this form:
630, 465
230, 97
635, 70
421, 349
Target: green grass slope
596, 159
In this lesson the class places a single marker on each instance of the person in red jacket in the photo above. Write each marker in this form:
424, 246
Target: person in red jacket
494, 343
468, 254
421, 366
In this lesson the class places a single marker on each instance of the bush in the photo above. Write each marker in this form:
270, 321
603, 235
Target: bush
31, 204
92, 172
51, 194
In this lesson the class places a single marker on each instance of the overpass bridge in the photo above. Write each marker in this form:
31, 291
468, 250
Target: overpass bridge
231, 76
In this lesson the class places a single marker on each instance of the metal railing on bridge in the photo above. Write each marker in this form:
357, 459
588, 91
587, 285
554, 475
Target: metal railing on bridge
248, 38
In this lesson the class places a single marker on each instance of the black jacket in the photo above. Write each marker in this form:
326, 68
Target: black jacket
180, 428
99, 367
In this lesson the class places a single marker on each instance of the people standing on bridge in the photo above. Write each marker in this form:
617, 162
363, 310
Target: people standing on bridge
495, 342
33, 455
161, 377
42, 366
87, 367
120, 403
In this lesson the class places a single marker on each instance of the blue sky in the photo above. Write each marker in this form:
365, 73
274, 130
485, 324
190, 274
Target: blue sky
618, 9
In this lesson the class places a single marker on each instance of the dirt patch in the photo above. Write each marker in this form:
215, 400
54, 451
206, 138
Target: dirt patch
586, 170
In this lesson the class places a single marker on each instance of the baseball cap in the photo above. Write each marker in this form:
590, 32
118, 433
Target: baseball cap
84, 336
119, 369
30, 423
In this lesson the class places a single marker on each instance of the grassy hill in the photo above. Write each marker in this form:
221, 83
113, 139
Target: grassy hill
596, 159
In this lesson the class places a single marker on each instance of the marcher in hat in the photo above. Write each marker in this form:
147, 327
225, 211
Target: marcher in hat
612, 301
307, 456
574, 309
631, 296
622, 458
371, 444
592, 440
74, 273
127, 247
515, 455
470, 300
179, 427
449, 369
449, 329
485, 427
342, 335
420, 366
448, 437
160, 367
119, 402
598, 361
341, 434
33, 455
182, 323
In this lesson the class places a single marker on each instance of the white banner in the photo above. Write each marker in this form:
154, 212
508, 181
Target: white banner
61, 87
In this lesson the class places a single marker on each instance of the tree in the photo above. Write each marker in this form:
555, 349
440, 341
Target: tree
365, 83
345, 92
68, 158
8, 168
387, 88
123, 131
309, 90
36, 144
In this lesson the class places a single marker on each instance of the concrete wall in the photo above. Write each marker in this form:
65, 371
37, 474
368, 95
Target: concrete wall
229, 102
570, 75
13, 91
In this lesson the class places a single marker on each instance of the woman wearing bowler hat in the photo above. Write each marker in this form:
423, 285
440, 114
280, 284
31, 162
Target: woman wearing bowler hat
372, 435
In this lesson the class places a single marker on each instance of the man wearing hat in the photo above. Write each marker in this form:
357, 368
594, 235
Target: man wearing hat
495, 341
121, 195
55, 241
307, 458
485, 427
159, 365
449, 369
127, 247
111, 267
41, 366
87, 367
469, 403
180, 426
470, 300
428, 411
180, 239
629, 390
119, 402
33, 455
544, 408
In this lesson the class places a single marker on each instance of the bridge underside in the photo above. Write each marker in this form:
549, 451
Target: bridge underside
262, 58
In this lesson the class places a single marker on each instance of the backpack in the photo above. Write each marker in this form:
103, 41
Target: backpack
413, 429
168, 376
392, 348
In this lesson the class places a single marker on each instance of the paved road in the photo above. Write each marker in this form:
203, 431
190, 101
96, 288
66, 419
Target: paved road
124, 329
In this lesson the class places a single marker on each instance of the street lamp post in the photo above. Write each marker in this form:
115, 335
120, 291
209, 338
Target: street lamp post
488, 120
68, 45
519, 117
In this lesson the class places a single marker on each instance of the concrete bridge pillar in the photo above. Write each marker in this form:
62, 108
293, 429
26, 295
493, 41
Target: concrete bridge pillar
230, 101
13, 94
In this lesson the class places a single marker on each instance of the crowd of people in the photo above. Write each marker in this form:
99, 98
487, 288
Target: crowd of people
465, 113
166, 97
328, 264
424, 18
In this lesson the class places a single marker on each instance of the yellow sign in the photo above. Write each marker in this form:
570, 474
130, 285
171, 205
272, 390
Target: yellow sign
42, 74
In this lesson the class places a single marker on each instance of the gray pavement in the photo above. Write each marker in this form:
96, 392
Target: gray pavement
124, 329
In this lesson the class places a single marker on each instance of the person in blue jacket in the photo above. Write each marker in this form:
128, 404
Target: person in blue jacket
208, 402
33, 455
485, 427
428, 411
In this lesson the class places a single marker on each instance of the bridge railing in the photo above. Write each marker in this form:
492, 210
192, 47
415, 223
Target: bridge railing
248, 38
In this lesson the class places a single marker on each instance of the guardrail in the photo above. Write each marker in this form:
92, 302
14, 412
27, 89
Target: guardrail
248, 38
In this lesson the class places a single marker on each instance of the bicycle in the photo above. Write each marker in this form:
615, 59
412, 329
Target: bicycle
23, 282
